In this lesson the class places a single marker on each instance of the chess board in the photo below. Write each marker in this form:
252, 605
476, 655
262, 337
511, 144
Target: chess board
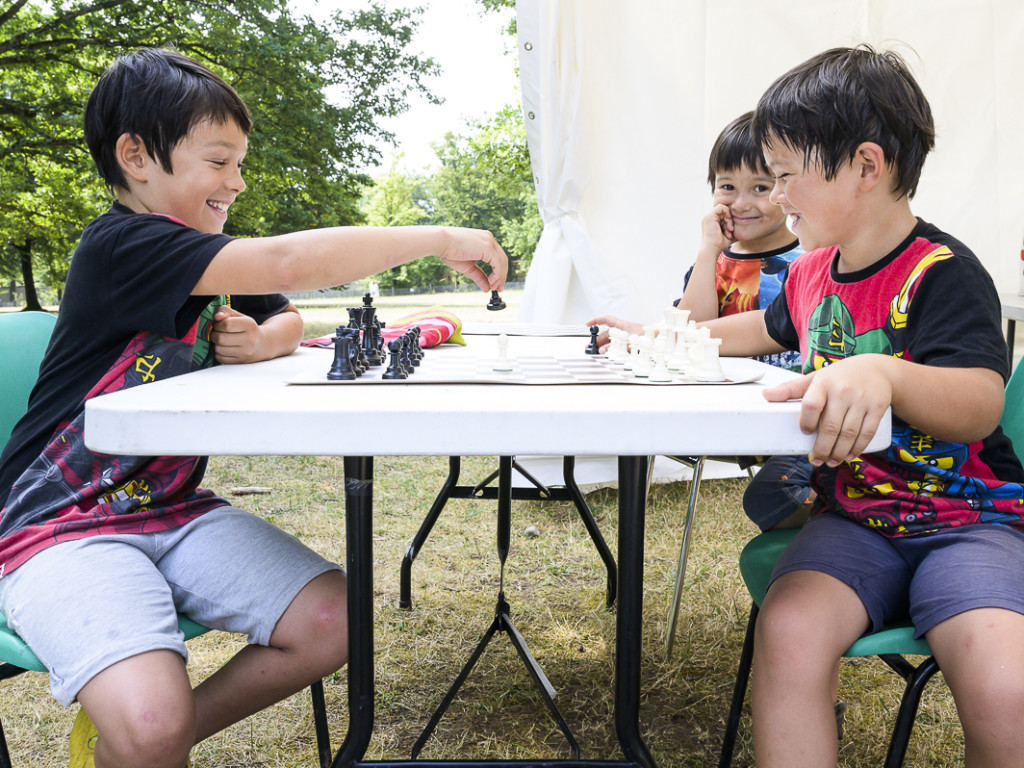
462, 366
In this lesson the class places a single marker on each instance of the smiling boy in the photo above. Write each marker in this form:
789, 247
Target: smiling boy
888, 311
134, 540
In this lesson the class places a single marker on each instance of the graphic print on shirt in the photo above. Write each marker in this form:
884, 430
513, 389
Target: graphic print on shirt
69, 492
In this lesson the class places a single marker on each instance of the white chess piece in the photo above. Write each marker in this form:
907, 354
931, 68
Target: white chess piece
711, 366
642, 361
659, 356
617, 345
502, 364
634, 352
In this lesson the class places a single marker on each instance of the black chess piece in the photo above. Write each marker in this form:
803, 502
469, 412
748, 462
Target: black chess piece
593, 349
341, 369
415, 351
371, 350
367, 300
496, 302
354, 314
395, 369
405, 353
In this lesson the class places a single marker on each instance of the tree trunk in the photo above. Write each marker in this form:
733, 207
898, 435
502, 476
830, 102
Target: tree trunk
31, 298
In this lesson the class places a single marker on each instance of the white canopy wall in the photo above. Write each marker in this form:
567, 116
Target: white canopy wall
622, 101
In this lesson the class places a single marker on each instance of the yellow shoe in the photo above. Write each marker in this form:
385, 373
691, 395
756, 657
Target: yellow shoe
83, 741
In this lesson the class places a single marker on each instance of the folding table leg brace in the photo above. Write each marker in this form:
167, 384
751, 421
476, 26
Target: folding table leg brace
482, 490
359, 531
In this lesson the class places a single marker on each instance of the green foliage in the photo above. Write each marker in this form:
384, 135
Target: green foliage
485, 181
317, 91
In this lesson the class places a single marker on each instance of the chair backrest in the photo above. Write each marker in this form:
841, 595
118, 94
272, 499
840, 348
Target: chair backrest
23, 339
1012, 421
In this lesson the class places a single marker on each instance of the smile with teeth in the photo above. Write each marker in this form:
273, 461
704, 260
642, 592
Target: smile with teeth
220, 207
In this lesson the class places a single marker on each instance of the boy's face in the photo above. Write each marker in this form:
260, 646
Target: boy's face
206, 179
816, 210
747, 193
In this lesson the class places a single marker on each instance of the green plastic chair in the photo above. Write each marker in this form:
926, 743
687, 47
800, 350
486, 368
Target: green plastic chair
891, 644
23, 340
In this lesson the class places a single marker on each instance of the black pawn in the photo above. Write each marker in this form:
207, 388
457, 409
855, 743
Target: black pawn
395, 369
593, 349
341, 369
415, 350
496, 302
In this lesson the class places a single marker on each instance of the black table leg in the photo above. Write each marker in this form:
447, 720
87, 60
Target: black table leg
628, 641
359, 544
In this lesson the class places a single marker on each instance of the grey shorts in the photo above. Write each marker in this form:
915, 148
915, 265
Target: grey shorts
86, 604
927, 578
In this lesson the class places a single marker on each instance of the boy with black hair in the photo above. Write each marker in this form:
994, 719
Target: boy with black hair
743, 255
131, 540
887, 311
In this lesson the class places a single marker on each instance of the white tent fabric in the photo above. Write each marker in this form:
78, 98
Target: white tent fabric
622, 102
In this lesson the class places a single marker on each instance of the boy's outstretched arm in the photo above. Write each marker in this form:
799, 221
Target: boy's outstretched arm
743, 335
321, 258
237, 338
845, 401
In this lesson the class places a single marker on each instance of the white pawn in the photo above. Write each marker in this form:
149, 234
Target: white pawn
634, 352
659, 355
642, 361
502, 364
711, 365
618, 349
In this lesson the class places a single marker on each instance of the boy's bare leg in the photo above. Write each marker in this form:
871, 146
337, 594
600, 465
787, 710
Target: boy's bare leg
145, 710
806, 622
982, 659
150, 717
309, 642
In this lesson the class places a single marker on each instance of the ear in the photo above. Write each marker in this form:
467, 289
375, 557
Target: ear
869, 162
130, 152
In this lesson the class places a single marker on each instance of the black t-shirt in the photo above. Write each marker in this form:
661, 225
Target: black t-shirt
130, 273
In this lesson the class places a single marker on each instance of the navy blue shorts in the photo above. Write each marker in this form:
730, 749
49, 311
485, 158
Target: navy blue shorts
927, 578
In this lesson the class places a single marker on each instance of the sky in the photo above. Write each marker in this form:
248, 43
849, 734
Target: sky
477, 75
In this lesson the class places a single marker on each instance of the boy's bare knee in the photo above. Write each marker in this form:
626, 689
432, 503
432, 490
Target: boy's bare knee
153, 736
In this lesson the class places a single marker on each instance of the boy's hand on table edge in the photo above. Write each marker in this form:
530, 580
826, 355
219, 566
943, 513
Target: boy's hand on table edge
843, 403
235, 336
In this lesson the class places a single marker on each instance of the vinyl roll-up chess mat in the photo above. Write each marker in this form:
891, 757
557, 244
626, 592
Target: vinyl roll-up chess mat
463, 366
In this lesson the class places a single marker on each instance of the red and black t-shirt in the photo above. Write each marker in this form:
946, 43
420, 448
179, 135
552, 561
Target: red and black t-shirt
931, 302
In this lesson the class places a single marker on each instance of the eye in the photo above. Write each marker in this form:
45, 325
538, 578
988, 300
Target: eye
762, 188
219, 162
726, 187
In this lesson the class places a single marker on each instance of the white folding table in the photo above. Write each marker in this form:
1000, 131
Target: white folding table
252, 410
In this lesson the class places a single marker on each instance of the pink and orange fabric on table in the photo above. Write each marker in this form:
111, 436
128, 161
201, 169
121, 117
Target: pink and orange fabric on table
437, 326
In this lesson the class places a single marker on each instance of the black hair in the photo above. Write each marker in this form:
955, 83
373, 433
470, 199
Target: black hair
156, 95
827, 106
735, 148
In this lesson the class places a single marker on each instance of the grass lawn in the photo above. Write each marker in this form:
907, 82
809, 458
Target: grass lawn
555, 586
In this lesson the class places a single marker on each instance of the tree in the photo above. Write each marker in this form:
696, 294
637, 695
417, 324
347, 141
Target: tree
486, 181
317, 92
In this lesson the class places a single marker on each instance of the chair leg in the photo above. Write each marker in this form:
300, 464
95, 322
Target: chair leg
5, 757
732, 723
684, 553
323, 735
908, 711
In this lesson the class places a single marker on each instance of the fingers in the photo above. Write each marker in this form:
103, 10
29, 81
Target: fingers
845, 410
470, 246
235, 336
842, 411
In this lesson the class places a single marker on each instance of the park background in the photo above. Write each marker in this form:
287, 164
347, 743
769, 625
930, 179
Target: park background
619, 131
